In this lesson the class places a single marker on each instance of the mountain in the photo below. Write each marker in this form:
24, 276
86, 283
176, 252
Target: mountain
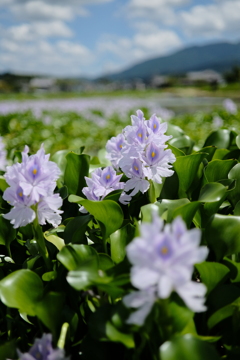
219, 57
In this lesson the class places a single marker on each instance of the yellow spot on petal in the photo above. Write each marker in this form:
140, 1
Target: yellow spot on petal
108, 177
153, 154
120, 146
154, 126
140, 135
164, 250
34, 171
20, 194
136, 168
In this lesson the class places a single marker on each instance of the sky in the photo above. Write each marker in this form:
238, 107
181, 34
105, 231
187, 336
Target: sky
91, 38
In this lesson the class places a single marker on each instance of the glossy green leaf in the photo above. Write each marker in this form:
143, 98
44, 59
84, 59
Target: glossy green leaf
7, 350
184, 142
238, 141
119, 239
7, 232
186, 211
212, 192
107, 212
75, 256
223, 236
209, 151
212, 274
218, 170
219, 138
212, 195
168, 206
234, 196
220, 154
181, 316
186, 168
177, 152
114, 334
187, 347
76, 228
22, 289
223, 313
55, 240
48, 310
105, 262
76, 169
3, 184
234, 268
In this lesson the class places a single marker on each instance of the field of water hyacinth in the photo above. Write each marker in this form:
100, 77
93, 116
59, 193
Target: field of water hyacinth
119, 232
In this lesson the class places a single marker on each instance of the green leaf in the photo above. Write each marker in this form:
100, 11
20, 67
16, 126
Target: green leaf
218, 170
167, 207
76, 228
119, 239
107, 212
219, 138
223, 313
186, 211
212, 274
3, 184
209, 151
183, 142
223, 236
114, 334
48, 310
238, 141
7, 350
77, 167
234, 268
7, 232
212, 195
55, 240
220, 154
22, 289
75, 256
234, 195
186, 168
212, 192
187, 347
177, 152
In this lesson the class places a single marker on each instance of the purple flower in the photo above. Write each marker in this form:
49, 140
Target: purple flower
3, 154
230, 106
163, 261
102, 183
31, 190
42, 350
143, 155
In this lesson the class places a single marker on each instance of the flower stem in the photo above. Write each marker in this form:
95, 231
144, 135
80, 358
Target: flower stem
62, 337
37, 231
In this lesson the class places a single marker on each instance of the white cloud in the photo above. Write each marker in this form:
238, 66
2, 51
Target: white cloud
62, 58
141, 46
39, 10
212, 20
29, 32
156, 10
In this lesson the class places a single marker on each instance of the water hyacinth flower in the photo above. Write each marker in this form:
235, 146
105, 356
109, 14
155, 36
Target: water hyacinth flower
163, 261
3, 154
230, 106
30, 191
140, 152
42, 350
102, 183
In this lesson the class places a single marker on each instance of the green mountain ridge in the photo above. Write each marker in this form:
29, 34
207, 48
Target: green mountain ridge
219, 57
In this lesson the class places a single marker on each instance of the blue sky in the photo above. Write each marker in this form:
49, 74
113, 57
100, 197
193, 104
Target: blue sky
95, 37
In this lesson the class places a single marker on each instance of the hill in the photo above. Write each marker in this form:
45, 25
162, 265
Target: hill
219, 57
